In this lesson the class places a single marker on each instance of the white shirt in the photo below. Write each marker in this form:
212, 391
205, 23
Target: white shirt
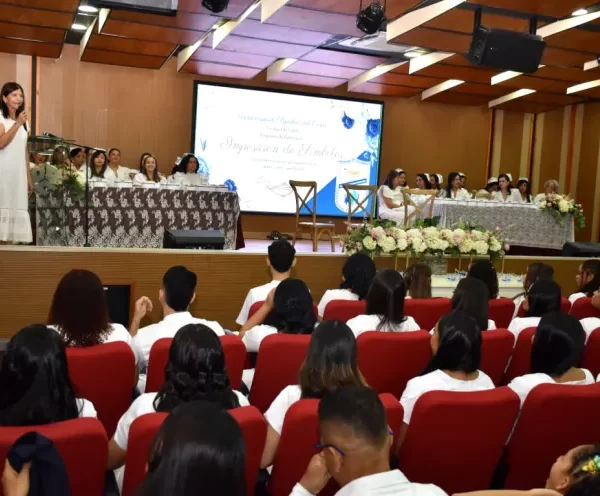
140, 178
109, 176
189, 179
85, 408
590, 324
575, 296
276, 412
514, 197
258, 293
392, 483
491, 326
364, 323
521, 323
461, 194
141, 406
395, 195
254, 336
335, 295
439, 381
524, 384
122, 173
518, 302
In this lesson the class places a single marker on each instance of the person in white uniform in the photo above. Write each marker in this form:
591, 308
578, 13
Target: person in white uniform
114, 164
149, 172
357, 274
524, 188
556, 351
587, 279
391, 200
417, 279
489, 190
535, 272
185, 172
471, 297
195, 371
78, 167
485, 271
544, 297
385, 306
175, 297
454, 189
551, 187
281, 258
35, 383
15, 177
99, 170
507, 193
355, 449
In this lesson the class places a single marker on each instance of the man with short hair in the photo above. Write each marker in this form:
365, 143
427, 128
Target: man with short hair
175, 297
281, 259
356, 449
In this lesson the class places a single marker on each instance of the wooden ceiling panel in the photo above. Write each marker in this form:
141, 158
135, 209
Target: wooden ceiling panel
33, 17
33, 48
480, 89
576, 39
593, 93
122, 58
128, 45
468, 74
572, 74
520, 105
553, 99
536, 83
61, 5
268, 48
345, 59
565, 58
255, 29
552, 8
183, 20
220, 70
151, 33
333, 71
454, 98
435, 39
306, 80
416, 81
461, 20
386, 90
48, 35
233, 58
235, 8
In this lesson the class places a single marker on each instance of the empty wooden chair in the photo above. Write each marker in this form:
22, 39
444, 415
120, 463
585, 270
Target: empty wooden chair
358, 206
307, 199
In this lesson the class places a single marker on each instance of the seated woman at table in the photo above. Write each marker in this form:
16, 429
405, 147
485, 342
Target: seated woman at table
543, 298
77, 157
463, 180
485, 271
535, 271
114, 164
391, 206
385, 306
423, 182
149, 172
587, 279
551, 187
402, 178
418, 281
142, 157
471, 297
436, 181
525, 189
185, 172
454, 190
506, 192
99, 170
490, 188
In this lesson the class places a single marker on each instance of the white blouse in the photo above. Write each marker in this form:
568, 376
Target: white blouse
521, 323
335, 295
188, 179
364, 323
86, 408
575, 296
524, 384
275, 415
140, 178
590, 324
461, 194
254, 336
395, 195
514, 197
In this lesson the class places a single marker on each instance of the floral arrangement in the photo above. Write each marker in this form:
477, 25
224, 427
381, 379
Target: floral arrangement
50, 177
559, 206
385, 237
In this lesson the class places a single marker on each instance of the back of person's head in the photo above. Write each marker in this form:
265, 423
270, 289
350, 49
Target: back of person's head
577, 473
542, 298
199, 449
591, 268
558, 344
293, 311
358, 271
418, 281
79, 309
281, 256
386, 298
537, 271
195, 371
456, 344
471, 297
34, 379
485, 271
179, 286
330, 360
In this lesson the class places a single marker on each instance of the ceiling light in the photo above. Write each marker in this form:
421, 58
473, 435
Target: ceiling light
413, 54
583, 86
579, 12
215, 6
370, 19
511, 96
79, 27
88, 9
439, 88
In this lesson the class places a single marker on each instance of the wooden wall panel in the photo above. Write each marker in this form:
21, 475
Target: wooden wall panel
8, 66
508, 146
551, 149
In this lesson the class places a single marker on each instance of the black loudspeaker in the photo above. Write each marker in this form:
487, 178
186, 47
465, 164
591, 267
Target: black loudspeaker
585, 250
506, 50
194, 240
118, 298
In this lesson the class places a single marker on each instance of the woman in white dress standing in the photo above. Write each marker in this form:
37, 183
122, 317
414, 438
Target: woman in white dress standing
15, 178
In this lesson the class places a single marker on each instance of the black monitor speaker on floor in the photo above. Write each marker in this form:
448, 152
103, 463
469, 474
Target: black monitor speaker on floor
584, 250
193, 240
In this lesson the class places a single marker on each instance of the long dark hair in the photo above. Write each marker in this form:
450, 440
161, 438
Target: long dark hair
451, 177
7, 89
199, 449
425, 178
386, 298
293, 311
93, 165
543, 297
536, 271
527, 192
195, 371
330, 360
389, 180
471, 297
79, 309
509, 187
558, 344
418, 281
591, 267
485, 271
182, 166
156, 175
34, 379
459, 344
358, 271
584, 482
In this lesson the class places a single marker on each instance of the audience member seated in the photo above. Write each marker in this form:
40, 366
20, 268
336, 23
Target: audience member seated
391, 200
330, 363
34, 380
456, 347
195, 371
385, 306
525, 190
357, 274
436, 181
199, 449
77, 156
543, 298
587, 279
418, 281
556, 351
454, 189
471, 297
149, 171
507, 193
551, 187
535, 271
485, 271
422, 181
79, 312
280, 260
356, 443
185, 172
596, 300
490, 188
99, 170
175, 297
114, 164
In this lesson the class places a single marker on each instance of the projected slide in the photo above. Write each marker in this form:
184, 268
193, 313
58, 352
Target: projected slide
256, 141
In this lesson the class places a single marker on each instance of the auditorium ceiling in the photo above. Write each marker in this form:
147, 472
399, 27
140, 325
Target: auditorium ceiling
315, 43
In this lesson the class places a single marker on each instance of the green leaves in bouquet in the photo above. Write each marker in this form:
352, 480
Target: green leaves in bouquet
428, 222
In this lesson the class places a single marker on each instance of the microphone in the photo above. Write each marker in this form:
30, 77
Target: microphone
19, 112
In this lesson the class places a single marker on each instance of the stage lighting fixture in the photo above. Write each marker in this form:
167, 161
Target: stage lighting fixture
215, 6
370, 19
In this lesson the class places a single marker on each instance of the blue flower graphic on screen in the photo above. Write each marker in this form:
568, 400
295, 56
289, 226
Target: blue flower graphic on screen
230, 185
373, 132
348, 122
203, 167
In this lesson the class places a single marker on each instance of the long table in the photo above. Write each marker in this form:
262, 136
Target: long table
510, 285
134, 217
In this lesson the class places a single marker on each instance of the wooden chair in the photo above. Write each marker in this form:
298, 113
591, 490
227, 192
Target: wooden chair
356, 206
425, 209
316, 228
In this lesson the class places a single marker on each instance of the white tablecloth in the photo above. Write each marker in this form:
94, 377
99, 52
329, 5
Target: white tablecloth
443, 286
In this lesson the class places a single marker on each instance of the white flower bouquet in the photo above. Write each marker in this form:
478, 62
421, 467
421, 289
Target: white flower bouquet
560, 205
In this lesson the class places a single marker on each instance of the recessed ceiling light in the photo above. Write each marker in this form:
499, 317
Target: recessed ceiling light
79, 27
580, 12
88, 9
412, 55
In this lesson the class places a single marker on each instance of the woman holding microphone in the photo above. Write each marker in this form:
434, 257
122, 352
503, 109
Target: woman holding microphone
15, 179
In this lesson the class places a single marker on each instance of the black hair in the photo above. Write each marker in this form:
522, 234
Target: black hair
386, 298
536, 271
585, 482
426, 179
34, 379
179, 284
358, 271
281, 255
437, 181
527, 192
592, 267
543, 297
199, 449
558, 344
459, 344
505, 176
7, 89
293, 311
471, 297
389, 180
485, 271
417, 279
113, 150
59, 151
359, 408
330, 360
195, 371
74, 152
451, 177
182, 166
93, 165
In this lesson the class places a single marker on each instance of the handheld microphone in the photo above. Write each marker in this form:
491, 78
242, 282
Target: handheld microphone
19, 112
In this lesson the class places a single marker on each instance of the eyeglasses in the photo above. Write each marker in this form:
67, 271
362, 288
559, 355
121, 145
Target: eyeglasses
321, 447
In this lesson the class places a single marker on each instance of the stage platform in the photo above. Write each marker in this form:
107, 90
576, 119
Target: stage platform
29, 275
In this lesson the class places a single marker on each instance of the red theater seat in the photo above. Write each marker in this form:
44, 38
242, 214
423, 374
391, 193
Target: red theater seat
501, 311
257, 304
565, 307
583, 308
344, 310
427, 312
520, 363
591, 354
496, 350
